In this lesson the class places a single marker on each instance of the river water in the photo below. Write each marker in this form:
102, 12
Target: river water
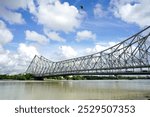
75, 89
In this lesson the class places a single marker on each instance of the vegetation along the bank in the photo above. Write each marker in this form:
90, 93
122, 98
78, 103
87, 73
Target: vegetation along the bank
16, 77
76, 77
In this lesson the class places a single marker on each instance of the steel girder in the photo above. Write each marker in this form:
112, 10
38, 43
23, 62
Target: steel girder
127, 57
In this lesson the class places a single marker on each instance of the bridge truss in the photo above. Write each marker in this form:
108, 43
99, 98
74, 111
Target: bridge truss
129, 57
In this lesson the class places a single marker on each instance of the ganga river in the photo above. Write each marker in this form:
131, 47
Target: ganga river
75, 89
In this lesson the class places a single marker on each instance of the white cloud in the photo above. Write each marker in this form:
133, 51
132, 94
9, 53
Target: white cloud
4, 59
27, 51
1, 49
83, 14
31, 7
34, 36
99, 47
54, 36
132, 11
17, 62
13, 4
56, 16
67, 52
47, 1
98, 10
85, 35
5, 35
8, 11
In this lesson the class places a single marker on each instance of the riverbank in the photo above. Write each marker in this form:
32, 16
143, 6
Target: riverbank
17, 77
75, 77
98, 77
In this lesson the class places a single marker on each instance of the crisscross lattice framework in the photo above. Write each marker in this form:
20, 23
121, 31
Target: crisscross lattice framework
131, 56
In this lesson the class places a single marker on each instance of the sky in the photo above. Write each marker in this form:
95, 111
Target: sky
63, 29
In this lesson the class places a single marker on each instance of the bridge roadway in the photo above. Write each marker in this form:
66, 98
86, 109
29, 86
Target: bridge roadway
129, 57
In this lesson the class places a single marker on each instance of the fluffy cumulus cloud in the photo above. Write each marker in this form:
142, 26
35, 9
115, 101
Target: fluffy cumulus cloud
8, 11
132, 11
5, 34
67, 52
98, 10
85, 35
99, 47
34, 36
28, 51
54, 36
56, 16
1, 49
12, 63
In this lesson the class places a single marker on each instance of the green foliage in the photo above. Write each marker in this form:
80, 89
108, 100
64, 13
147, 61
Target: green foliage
3, 77
78, 78
55, 77
66, 77
71, 77
74, 77
17, 77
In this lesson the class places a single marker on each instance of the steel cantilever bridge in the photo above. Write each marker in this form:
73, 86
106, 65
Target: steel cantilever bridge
129, 57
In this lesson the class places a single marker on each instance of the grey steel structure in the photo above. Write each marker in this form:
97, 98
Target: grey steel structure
129, 57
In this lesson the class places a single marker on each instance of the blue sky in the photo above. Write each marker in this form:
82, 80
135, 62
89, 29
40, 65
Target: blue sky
61, 29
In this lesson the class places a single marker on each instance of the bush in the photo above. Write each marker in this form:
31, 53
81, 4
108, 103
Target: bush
17, 77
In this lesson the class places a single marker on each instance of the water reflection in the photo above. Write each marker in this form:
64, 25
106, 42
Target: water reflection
104, 89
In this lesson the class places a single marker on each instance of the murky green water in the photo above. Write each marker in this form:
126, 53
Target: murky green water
79, 89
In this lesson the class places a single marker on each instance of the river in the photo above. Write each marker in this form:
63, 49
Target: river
75, 89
